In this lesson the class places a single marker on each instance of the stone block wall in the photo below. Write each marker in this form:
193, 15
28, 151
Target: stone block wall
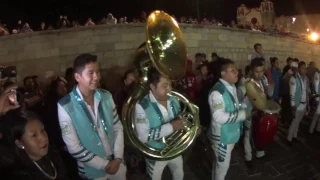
41, 52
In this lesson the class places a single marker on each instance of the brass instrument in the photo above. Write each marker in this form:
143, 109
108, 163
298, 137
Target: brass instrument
258, 98
166, 50
255, 94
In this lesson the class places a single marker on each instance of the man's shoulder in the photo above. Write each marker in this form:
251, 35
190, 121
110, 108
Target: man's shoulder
104, 93
65, 100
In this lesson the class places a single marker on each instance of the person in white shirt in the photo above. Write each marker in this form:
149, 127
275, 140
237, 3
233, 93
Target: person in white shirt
226, 117
299, 87
90, 125
156, 117
257, 75
315, 124
257, 51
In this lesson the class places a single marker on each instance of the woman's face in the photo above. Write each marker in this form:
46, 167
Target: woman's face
62, 89
34, 141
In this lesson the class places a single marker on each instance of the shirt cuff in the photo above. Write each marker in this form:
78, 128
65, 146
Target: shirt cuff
241, 115
168, 128
293, 103
104, 164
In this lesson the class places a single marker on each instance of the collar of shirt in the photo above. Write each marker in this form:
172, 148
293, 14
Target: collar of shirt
96, 98
228, 86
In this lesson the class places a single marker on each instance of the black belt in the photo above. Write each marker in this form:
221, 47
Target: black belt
302, 102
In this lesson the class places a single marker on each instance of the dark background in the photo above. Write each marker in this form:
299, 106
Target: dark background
35, 11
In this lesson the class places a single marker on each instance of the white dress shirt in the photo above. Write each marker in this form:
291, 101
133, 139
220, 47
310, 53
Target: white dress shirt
293, 86
142, 122
74, 145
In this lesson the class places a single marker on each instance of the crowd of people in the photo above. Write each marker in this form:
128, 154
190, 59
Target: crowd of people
64, 22
72, 129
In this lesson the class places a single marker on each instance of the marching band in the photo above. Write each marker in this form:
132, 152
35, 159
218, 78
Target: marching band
93, 132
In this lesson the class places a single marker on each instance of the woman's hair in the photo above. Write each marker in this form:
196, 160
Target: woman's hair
52, 94
16, 123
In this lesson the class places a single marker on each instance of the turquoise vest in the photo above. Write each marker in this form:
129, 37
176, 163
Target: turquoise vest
156, 120
297, 96
230, 133
86, 129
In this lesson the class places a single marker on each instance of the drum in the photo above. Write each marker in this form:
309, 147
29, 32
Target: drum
265, 125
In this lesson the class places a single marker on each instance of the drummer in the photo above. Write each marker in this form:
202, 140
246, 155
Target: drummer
257, 74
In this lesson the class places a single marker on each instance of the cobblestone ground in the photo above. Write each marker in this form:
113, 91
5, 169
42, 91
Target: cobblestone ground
300, 162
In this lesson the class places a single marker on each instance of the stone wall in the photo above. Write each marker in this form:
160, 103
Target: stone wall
54, 51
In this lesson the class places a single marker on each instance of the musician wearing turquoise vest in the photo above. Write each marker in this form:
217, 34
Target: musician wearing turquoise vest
257, 75
157, 117
226, 117
315, 124
90, 125
299, 88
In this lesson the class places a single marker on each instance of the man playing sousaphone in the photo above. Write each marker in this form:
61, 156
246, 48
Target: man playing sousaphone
257, 76
157, 117
226, 117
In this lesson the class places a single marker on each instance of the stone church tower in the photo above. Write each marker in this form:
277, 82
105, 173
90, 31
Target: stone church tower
267, 13
263, 15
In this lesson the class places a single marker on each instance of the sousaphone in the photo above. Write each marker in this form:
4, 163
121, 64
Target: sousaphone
165, 50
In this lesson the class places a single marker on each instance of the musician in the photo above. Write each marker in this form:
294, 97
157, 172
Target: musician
315, 124
299, 88
157, 117
257, 75
90, 125
226, 117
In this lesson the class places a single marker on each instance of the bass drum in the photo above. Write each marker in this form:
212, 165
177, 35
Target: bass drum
265, 125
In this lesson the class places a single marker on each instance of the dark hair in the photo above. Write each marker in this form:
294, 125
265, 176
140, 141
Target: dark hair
301, 63
296, 60
34, 77
130, 71
256, 45
198, 54
69, 71
289, 59
273, 60
256, 62
247, 70
52, 95
82, 60
223, 65
153, 76
26, 79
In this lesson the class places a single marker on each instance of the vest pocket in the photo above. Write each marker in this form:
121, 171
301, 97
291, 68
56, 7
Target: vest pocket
230, 133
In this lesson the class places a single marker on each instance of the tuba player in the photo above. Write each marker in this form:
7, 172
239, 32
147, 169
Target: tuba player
156, 117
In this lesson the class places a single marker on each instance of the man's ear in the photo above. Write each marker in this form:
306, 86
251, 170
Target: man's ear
223, 73
77, 76
152, 87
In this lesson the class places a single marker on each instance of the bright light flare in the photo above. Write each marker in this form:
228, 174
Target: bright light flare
314, 36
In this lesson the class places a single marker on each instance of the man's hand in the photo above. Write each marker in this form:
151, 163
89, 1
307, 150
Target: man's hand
248, 114
5, 104
177, 124
113, 166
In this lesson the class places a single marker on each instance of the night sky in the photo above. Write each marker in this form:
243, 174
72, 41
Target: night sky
35, 11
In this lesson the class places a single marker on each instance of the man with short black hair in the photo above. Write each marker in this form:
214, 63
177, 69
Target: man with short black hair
257, 75
226, 117
299, 100
90, 124
257, 51
157, 117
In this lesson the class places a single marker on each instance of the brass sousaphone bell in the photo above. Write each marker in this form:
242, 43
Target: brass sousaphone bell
165, 50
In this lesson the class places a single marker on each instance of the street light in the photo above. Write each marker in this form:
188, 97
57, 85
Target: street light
293, 20
314, 36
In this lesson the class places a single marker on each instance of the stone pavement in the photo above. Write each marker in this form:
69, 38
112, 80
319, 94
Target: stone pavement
300, 162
